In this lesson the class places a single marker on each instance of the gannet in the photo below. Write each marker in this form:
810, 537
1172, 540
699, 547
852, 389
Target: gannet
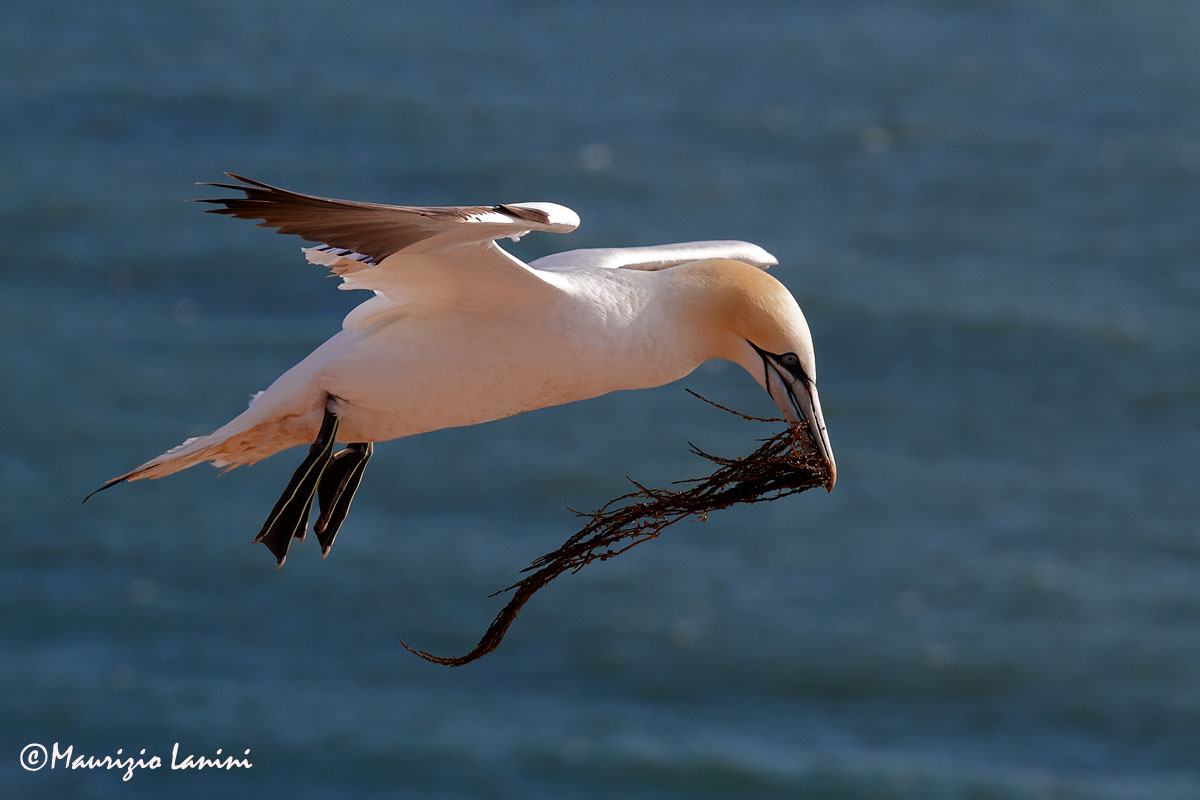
460, 332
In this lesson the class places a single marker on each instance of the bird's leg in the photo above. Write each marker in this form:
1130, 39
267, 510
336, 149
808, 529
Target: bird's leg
336, 489
289, 517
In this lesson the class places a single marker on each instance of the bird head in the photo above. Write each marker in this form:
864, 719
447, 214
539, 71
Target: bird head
757, 323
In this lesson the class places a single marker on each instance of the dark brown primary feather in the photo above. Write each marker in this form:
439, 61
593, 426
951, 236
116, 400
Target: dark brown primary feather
520, 212
373, 229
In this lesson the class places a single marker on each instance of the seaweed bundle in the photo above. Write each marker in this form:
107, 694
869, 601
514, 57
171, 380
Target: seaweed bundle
783, 465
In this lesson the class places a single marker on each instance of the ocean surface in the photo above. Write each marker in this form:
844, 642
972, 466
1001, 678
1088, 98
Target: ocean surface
990, 212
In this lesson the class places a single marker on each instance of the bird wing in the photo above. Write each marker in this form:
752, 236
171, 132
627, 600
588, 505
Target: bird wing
663, 256
389, 248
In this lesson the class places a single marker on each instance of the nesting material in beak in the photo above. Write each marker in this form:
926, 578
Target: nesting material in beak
791, 461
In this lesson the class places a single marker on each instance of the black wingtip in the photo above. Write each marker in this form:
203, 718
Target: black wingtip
249, 183
227, 175
254, 183
228, 186
108, 485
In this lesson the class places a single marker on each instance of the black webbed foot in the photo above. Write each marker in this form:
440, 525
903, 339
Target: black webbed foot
336, 489
289, 517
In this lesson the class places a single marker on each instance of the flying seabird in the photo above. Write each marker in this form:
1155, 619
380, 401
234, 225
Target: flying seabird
460, 332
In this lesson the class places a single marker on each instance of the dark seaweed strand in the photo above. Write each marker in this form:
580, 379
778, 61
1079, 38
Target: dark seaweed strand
783, 465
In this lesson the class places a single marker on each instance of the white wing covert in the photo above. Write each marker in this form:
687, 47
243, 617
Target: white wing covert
662, 256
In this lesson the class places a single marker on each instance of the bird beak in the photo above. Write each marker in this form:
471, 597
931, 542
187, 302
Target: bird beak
798, 400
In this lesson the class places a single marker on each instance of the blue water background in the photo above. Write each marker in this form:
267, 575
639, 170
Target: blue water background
990, 212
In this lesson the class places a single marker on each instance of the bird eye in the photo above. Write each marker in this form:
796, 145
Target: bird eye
789, 359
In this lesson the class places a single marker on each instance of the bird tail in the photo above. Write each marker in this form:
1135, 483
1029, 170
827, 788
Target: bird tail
243, 440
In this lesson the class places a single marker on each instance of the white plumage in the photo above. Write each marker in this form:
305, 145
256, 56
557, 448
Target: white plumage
460, 332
